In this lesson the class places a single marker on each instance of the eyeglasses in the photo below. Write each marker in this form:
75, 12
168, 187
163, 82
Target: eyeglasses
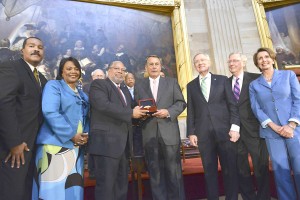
119, 69
233, 61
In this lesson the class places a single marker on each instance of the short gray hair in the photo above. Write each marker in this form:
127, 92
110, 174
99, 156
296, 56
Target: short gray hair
96, 70
205, 54
243, 56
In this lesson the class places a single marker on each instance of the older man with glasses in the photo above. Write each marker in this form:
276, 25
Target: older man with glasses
250, 142
111, 115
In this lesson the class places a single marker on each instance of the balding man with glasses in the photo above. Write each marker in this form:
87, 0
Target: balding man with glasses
250, 142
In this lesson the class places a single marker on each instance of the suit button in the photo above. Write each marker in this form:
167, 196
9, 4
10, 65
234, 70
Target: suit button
276, 109
273, 100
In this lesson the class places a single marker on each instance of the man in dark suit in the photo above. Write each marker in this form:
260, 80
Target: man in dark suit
213, 126
110, 131
129, 82
250, 142
20, 119
5, 53
161, 137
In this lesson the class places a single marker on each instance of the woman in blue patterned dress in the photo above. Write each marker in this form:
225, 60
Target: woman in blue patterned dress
61, 139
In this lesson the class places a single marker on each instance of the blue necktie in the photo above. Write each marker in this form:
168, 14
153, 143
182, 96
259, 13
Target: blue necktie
236, 89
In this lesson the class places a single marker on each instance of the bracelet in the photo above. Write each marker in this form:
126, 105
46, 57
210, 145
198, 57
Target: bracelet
291, 127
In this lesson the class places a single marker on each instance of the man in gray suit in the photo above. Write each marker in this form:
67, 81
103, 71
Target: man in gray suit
161, 136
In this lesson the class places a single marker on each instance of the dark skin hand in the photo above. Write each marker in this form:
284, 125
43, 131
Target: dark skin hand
16, 155
80, 139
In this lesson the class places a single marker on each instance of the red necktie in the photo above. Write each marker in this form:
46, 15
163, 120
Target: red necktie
122, 96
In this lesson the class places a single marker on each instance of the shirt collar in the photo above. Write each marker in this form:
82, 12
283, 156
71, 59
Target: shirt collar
239, 76
208, 76
130, 88
117, 85
30, 65
151, 79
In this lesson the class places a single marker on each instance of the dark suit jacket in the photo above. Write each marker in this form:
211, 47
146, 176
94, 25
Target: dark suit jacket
248, 120
169, 97
220, 110
110, 119
6, 55
20, 105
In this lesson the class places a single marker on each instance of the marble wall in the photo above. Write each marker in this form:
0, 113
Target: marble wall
219, 27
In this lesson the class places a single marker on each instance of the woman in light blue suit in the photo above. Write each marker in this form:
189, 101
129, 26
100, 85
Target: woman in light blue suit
59, 157
275, 101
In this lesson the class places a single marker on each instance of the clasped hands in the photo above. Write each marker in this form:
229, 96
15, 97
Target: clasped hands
286, 131
80, 139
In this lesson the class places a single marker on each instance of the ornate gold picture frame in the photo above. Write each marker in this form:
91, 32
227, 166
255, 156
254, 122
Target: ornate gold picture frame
175, 8
261, 8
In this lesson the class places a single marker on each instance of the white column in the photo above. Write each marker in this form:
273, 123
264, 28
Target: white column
224, 33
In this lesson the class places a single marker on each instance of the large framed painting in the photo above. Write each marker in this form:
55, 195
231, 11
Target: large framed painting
279, 27
97, 32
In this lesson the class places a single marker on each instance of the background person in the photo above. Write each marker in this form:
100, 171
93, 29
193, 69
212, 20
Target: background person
5, 53
59, 156
96, 74
129, 82
275, 101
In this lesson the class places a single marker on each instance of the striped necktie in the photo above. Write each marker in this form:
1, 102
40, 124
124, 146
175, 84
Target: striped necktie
236, 89
122, 96
204, 88
36, 75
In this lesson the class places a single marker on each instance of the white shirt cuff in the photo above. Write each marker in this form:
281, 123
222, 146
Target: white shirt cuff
264, 124
294, 120
235, 127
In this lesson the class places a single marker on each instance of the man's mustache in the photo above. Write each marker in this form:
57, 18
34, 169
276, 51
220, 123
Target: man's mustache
36, 53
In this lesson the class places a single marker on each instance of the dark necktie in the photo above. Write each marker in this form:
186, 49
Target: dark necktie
122, 96
236, 89
36, 75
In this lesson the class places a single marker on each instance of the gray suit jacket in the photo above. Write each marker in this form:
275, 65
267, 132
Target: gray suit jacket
169, 97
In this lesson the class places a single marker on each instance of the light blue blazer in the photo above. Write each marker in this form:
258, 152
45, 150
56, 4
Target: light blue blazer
62, 110
279, 102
